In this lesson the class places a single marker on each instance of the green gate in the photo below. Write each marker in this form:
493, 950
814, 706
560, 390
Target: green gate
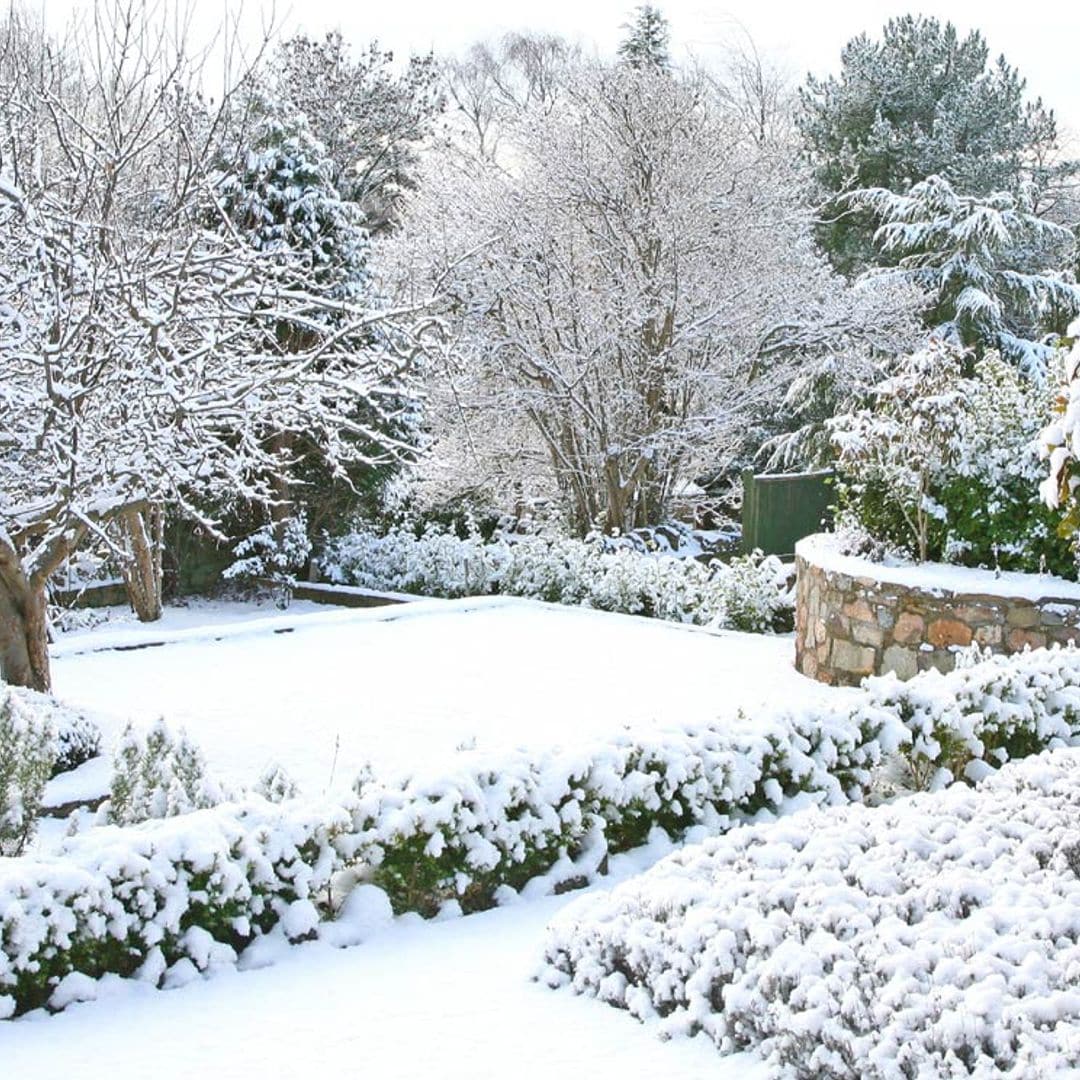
780, 509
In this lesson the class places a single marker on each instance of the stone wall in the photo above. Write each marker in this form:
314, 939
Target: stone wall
849, 623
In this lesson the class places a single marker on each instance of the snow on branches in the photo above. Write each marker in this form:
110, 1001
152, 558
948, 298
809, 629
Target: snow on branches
988, 263
179, 302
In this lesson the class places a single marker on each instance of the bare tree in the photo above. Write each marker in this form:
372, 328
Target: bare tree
642, 281
493, 83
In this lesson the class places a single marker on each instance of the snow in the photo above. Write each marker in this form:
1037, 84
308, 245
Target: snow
821, 551
322, 692
448, 999
861, 942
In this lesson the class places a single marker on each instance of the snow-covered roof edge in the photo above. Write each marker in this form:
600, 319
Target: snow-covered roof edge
820, 549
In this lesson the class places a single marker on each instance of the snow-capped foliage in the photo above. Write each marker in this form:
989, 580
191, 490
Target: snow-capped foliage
27, 751
910, 441
157, 774
923, 101
158, 901
1059, 442
272, 552
749, 593
945, 463
936, 936
276, 785
989, 710
992, 267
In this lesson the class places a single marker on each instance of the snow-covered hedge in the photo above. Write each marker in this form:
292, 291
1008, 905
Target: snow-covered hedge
39, 738
988, 711
157, 898
746, 594
161, 900
936, 936
498, 822
27, 750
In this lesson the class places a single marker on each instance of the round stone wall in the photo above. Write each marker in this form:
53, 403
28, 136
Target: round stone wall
855, 618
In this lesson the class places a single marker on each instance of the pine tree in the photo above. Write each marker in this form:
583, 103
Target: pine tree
921, 102
988, 264
647, 40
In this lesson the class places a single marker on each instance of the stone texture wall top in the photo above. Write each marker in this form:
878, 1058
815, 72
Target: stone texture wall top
851, 622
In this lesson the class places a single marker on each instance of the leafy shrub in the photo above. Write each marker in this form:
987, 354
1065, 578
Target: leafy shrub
157, 775
191, 890
78, 740
274, 552
946, 464
750, 593
276, 785
936, 936
27, 751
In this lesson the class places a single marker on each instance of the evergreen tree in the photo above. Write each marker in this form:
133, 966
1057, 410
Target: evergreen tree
647, 40
988, 265
921, 102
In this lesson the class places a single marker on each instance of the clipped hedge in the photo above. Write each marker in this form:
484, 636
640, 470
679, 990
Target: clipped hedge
191, 890
748, 593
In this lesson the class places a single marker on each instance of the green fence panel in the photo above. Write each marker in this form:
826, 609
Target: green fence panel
780, 509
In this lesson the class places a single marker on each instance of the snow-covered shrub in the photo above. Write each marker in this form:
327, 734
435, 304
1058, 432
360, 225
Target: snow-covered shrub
276, 785
167, 898
157, 774
990, 710
500, 821
946, 464
935, 936
78, 740
747, 594
76, 737
27, 751
1058, 443
274, 551
896, 455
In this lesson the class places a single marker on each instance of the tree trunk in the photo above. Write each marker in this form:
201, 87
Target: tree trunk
24, 639
142, 531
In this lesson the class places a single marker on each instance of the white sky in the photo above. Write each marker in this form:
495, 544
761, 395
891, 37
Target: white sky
1041, 41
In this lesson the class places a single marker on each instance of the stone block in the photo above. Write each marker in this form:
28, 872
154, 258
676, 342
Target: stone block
904, 662
979, 616
945, 632
886, 618
859, 610
991, 636
852, 658
909, 628
1023, 616
868, 634
1018, 638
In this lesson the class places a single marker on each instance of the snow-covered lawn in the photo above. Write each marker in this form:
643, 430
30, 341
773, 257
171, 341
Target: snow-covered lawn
321, 691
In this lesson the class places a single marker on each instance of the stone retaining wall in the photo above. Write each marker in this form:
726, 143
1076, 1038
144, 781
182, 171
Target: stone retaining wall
848, 625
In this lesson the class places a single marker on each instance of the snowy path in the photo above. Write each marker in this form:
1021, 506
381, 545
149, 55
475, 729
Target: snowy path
419, 1001
321, 692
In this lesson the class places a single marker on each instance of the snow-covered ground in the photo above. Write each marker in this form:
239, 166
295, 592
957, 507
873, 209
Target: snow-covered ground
321, 690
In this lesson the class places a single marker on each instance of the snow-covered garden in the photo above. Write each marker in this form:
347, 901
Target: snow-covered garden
408, 403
